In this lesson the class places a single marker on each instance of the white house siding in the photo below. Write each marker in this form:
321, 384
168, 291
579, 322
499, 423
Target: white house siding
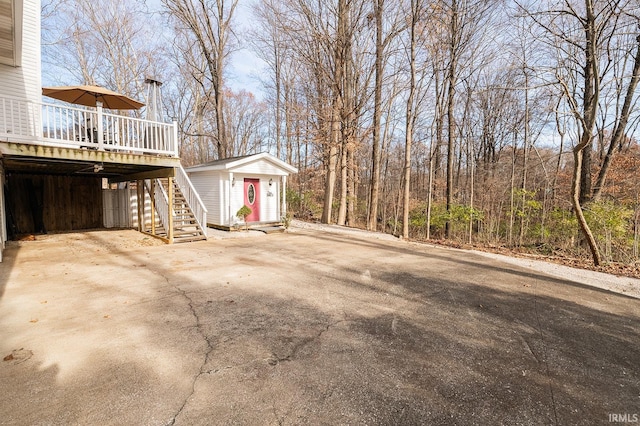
24, 82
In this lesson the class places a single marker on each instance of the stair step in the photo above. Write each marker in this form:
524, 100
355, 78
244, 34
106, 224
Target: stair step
177, 233
190, 239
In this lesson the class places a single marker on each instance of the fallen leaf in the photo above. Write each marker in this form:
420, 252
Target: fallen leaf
18, 356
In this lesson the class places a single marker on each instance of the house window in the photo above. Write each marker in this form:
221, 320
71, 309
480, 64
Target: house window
251, 194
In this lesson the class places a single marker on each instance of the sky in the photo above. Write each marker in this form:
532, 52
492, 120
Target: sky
246, 67
243, 69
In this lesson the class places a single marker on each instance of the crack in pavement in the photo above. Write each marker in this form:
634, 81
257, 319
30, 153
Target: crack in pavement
209, 349
279, 419
545, 355
531, 351
275, 359
198, 326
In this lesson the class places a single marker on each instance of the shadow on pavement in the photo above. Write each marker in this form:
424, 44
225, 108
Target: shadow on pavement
316, 329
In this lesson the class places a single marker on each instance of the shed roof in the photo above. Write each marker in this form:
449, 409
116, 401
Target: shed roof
235, 162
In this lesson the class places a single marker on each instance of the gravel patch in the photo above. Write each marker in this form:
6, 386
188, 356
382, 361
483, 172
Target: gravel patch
336, 229
621, 285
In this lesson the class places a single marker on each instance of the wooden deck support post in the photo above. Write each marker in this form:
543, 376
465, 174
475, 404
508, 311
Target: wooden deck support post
140, 194
152, 194
3, 219
170, 209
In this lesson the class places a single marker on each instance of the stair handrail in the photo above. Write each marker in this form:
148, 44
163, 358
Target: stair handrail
193, 198
162, 209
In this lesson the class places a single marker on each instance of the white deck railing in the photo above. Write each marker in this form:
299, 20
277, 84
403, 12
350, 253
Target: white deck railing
82, 127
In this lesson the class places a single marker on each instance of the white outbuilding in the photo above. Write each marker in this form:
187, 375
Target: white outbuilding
258, 181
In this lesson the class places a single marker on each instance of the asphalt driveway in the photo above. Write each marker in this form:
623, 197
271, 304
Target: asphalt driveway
307, 327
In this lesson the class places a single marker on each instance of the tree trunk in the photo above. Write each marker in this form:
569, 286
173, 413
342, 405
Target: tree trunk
342, 209
582, 222
525, 159
372, 220
590, 107
278, 106
336, 113
451, 81
330, 181
409, 119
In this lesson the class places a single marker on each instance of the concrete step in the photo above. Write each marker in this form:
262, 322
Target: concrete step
270, 229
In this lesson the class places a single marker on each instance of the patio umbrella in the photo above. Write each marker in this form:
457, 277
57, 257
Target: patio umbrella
90, 96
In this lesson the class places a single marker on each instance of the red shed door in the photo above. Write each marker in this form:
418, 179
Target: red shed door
252, 198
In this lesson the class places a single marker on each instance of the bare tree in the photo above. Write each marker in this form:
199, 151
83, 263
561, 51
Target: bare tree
623, 113
584, 35
268, 43
415, 13
100, 42
246, 118
383, 40
207, 26
463, 22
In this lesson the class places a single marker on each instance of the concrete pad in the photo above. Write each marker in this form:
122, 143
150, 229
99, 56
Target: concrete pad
306, 327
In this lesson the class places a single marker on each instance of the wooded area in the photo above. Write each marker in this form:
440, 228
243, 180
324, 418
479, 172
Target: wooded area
497, 122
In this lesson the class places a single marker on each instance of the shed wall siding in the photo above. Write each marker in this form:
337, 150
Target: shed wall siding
225, 210
208, 185
269, 208
237, 197
260, 168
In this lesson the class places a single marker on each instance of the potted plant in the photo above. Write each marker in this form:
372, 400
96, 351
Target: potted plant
243, 213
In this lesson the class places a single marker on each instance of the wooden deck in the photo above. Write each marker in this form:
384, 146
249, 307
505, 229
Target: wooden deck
59, 126
61, 155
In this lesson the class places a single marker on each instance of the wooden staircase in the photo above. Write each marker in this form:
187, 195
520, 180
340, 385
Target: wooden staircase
185, 225
169, 205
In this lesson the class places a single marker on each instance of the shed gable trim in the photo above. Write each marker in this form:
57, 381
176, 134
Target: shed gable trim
233, 164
